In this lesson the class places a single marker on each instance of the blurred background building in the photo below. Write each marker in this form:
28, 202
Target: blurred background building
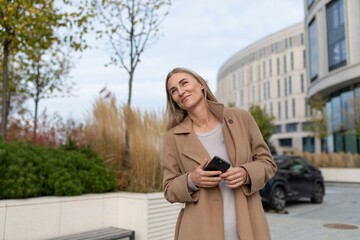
333, 43
281, 72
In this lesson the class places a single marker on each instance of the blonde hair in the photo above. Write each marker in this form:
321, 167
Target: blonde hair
174, 114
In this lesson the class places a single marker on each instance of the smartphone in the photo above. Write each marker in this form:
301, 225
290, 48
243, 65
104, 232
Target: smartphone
216, 164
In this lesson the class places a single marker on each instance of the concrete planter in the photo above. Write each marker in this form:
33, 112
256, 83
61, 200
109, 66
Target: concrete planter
346, 175
149, 215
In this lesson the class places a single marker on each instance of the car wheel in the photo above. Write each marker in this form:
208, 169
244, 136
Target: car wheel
278, 199
318, 195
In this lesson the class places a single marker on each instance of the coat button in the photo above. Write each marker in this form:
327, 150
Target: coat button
231, 121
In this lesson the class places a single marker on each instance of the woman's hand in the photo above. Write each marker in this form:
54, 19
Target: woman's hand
235, 177
205, 179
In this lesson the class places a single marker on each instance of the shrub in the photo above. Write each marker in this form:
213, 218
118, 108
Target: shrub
31, 171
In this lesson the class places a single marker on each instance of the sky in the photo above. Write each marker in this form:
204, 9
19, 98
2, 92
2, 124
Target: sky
197, 34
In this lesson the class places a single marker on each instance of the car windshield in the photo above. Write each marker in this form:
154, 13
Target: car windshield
285, 162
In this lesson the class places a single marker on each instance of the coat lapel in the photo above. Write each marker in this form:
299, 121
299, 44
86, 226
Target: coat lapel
189, 144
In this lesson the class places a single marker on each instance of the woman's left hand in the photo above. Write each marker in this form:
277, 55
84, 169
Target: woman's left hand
235, 177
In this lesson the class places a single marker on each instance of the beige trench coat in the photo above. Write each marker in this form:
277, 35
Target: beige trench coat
202, 216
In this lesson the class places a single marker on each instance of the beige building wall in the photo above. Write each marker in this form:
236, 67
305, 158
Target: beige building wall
271, 73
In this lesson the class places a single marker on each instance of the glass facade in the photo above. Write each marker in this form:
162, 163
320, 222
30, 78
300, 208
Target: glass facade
313, 50
336, 34
309, 3
343, 121
308, 144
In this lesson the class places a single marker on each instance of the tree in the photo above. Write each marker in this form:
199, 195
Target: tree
129, 26
45, 73
31, 25
317, 125
265, 123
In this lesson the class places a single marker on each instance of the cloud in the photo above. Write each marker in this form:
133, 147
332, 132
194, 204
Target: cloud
200, 35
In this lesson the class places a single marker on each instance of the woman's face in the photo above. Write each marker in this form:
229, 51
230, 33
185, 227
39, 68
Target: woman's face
185, 90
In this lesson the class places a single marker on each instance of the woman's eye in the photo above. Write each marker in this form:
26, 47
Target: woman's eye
172, 92
184, 83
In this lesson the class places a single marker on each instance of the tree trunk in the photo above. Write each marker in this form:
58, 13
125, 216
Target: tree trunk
5, 92
35, 119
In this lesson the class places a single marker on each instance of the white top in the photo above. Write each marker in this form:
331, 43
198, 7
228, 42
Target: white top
214, 143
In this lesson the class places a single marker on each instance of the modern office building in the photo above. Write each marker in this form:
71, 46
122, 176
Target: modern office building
332, 30
271, 73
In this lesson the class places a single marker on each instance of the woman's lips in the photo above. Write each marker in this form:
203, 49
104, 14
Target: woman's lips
185, 98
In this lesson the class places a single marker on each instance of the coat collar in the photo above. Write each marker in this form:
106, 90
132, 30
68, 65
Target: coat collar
186, 125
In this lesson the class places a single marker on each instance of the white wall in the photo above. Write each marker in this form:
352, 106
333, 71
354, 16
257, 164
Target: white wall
46, 217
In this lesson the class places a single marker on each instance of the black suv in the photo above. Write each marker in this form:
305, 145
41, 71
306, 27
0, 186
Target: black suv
295, 178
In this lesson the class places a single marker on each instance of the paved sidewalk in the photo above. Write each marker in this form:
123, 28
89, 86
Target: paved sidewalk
340, 210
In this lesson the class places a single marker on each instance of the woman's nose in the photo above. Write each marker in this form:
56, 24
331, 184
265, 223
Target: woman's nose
181, 91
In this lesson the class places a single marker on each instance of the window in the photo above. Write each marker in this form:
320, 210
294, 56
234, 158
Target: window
302, 83
278, 87
292, 61
285, 142
348, 110
290, 41
234, 81
336, 34
302, 39
304, 58
270, 67
268, 88
336, 108
285, 87
271, 109
307, 108
251, 73
309, 3
308, 144
278, 66
313, 49
279, 110
290, 85
293, 108
264, 69
242, 97
285, 64
286, 110
291, 127
253, 94
277, 129
264, 90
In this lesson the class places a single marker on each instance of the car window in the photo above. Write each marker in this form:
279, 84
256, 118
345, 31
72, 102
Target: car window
297, 164
282, 163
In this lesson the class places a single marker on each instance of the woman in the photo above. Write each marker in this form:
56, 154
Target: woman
217, 205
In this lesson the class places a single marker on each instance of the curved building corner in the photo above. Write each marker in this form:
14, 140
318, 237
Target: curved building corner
271, 73
333, 42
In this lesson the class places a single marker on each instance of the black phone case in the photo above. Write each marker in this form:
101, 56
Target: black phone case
217, 163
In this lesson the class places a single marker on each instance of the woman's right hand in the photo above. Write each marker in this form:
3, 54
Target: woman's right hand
205, 179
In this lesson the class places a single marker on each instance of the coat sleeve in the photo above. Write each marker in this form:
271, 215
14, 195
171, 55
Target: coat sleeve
174, 179
261, 167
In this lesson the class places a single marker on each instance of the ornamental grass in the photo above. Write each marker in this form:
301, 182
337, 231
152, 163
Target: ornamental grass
106, 131
332, 160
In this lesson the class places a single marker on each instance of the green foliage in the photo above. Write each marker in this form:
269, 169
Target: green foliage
264, 121
32, 34
31, 171
318, 123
